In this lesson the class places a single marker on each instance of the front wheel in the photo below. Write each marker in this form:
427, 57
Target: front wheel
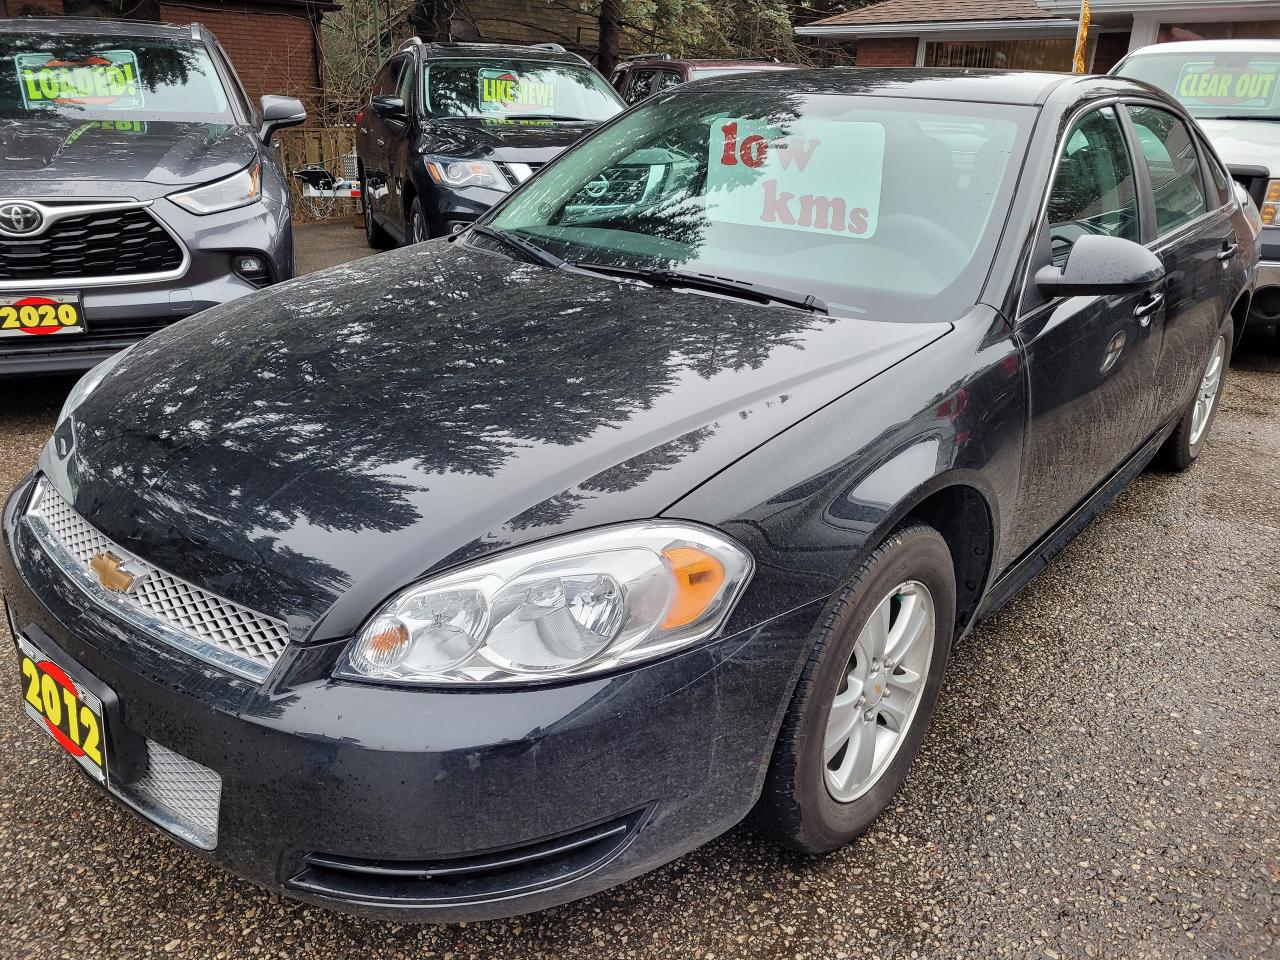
417, 229
377, 238
1187, 440
865, 696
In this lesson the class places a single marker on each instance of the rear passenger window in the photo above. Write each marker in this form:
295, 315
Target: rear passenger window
1093, 189
1221, 180
641, 86
666, 80
1170, 153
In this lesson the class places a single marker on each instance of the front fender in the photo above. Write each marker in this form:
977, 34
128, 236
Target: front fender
812, 502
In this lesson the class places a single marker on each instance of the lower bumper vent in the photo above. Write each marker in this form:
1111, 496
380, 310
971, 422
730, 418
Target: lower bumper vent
178, 794
472, 879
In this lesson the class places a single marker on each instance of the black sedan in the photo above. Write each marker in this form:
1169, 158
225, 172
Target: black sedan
493, 572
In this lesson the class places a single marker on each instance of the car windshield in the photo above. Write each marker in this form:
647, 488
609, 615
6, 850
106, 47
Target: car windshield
872, 205
93, 77
1238, 83
516, 89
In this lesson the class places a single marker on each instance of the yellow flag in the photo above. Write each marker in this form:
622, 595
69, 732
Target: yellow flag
1082, 39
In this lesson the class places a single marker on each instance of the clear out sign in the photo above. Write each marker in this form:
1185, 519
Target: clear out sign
1249, 86
821, 176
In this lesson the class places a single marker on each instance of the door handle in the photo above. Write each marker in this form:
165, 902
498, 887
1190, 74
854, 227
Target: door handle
1228, 251
1147, 307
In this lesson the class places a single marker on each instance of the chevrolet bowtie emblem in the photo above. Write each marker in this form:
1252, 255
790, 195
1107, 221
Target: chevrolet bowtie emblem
111, 572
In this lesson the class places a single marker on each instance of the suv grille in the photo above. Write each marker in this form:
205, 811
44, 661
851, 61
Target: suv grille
204, 624
106, 244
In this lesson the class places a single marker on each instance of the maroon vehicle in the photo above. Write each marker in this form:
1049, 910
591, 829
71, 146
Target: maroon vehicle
645, 74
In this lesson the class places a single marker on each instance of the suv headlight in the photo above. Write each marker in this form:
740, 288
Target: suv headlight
568, 607
238, 190
467, 173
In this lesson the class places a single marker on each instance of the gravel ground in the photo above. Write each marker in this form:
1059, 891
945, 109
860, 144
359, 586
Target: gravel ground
1101, 781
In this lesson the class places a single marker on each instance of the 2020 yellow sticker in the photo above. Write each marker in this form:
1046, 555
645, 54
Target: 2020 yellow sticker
39, 316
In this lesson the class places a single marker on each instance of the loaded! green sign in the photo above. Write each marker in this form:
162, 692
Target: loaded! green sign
106, 79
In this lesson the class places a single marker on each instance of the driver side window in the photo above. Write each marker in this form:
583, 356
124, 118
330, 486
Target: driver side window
1093, 190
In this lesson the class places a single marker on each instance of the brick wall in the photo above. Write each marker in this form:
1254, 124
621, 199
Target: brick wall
528, 21
273, 48
887, 51
1108, 50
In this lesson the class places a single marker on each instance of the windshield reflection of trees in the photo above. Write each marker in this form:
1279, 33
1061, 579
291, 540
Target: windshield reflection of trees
179, 75
453, 90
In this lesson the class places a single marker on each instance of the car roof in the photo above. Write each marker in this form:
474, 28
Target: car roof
108, 28
938, 83
476, 51
1209, 46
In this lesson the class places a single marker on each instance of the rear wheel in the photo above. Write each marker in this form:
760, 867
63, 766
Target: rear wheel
1187, 440
865, 697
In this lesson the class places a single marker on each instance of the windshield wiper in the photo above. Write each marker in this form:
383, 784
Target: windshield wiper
531, 250
742, 289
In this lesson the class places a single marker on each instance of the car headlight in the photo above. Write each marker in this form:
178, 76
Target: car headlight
467, 173
238, 190
569, 607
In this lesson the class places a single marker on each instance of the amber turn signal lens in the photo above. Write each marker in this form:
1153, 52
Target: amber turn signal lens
388, 640
698, 578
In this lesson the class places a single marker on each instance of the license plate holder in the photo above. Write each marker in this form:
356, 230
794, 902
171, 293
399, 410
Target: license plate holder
60, 703
41, 314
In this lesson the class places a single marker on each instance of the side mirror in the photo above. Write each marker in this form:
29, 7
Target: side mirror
1098, 266
390, 107
279, 112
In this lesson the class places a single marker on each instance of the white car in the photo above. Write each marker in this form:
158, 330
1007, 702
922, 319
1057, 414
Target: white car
1232, 88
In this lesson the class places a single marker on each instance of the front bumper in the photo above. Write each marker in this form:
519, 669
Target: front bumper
425, 804
1264, 310
120, 312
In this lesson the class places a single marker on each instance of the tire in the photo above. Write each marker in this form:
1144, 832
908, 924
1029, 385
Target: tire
798, 807
416, 229
377, 238
1187, 440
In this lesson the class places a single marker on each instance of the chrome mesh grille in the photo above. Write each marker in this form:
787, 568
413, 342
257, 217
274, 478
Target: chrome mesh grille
253, 640
179, 794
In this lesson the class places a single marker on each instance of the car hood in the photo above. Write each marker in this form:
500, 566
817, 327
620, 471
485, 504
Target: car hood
57, 148
1246, 142
527, 141
331, 439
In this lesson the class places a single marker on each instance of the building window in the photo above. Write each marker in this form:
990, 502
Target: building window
1242, 30
1006, 54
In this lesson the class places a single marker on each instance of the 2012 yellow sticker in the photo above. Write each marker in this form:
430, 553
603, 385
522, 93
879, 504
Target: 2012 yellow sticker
69, 713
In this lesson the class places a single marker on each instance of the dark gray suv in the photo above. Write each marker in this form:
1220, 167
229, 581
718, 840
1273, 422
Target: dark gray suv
138, 185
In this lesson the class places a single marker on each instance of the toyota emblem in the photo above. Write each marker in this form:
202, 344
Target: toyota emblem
20, 218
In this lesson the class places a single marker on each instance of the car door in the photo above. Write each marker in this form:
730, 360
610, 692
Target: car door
1196, 241
397, 135
1090, 361
372, 133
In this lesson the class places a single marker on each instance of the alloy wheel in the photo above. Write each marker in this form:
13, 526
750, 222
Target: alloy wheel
1207, 396
880, 692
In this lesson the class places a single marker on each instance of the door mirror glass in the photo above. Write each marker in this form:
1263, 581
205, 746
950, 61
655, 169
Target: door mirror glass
1100, 265
278, 112
389, 107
